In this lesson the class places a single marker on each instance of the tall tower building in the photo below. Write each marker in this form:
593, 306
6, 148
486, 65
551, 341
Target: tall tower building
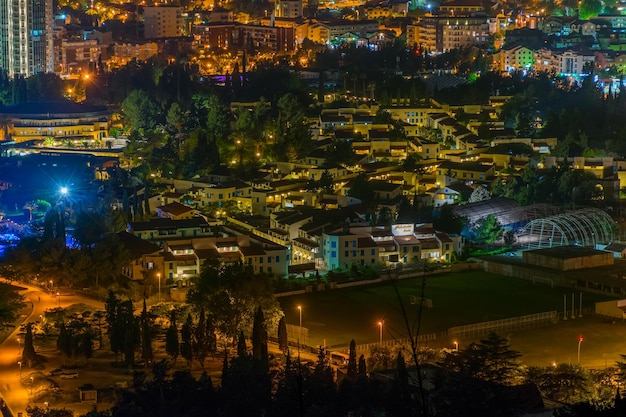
26, 41
162, 21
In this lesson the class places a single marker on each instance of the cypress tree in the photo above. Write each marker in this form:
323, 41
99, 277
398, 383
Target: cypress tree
62, 338
28, 354
242, 350
171, 338
320, 87
146, 200
200, 342
111, 308
352, 366
129, 331
86, 345
146, 335
60, 226
211, 336
186, 349
362, 367
259, 336
126, 205
283, 341
400, 399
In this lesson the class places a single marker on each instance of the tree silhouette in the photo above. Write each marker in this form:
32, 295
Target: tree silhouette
28, 353
171, 338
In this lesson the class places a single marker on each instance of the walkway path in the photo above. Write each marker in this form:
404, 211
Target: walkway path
16, 392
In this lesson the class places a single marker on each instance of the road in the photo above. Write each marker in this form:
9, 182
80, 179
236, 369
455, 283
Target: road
16, 392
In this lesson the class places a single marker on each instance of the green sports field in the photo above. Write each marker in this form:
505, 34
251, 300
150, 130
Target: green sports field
338, 316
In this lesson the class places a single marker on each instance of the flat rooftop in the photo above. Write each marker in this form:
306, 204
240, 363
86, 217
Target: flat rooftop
567, 252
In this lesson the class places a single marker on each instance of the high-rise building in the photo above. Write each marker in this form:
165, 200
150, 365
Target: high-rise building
26, 38
162, 21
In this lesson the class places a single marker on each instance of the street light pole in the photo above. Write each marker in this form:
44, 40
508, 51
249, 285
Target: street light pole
299, 329
580, 340
19, 345
59, 298
380, 337
20, 364
456, 346
159, 277
32, 382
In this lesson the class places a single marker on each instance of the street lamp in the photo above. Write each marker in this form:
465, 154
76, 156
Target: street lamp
20, 364
159, 277
380, 337
19, 345
59, 298
299, 329
51, 285
456, 346
580, 340
32, 382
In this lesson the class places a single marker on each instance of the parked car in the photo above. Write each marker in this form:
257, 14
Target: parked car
69, 375
55, 372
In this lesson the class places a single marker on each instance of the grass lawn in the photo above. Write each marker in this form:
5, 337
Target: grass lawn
458, 298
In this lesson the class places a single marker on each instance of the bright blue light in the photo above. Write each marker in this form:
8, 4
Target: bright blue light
64, 190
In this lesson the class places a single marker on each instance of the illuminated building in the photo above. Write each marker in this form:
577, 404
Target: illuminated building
26, 38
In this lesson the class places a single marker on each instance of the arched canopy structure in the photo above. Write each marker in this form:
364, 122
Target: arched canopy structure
586, 227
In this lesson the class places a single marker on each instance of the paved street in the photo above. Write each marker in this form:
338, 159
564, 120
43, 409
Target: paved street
18, 394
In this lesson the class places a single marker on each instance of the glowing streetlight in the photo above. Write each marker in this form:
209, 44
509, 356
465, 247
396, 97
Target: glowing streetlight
299, 329
159, 277
59, 298
32, 382
20, 364
19, 345
456, 345
380, 336
580, 340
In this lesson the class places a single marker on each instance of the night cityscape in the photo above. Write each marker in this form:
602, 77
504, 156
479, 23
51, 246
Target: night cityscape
312, 208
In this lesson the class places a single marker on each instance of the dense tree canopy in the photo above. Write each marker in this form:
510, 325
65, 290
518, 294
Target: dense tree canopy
10, 303
231, 294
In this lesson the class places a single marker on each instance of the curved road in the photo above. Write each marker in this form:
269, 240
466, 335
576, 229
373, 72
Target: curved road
16, 393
